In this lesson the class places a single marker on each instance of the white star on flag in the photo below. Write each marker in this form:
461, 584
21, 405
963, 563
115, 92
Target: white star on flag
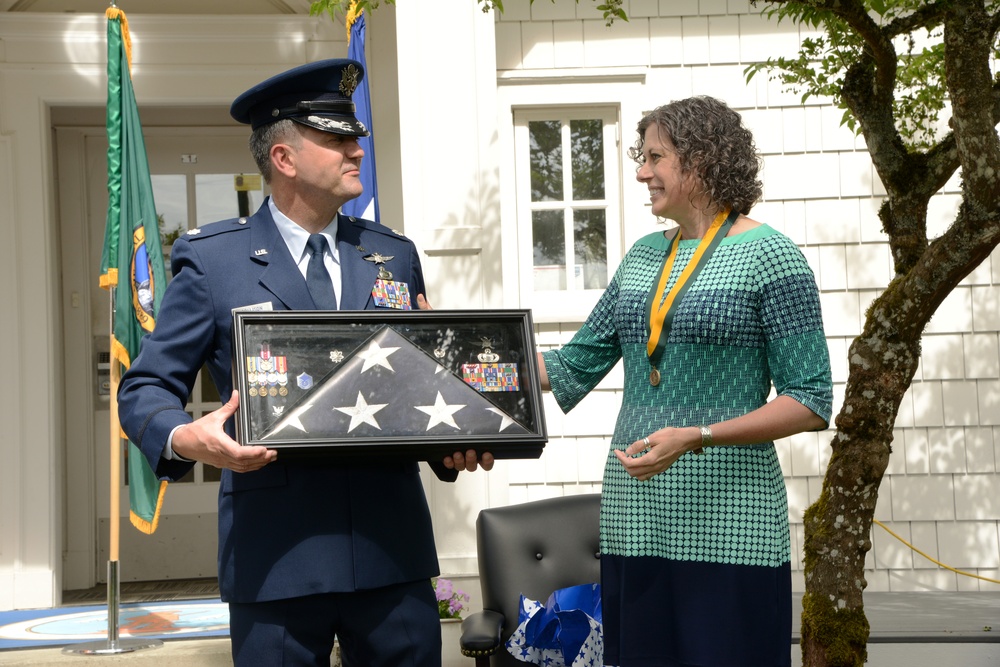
505, 420
376, 356
440, 412
295, 420
362, 413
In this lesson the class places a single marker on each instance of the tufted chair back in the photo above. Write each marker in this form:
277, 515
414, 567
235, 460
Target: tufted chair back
533, 548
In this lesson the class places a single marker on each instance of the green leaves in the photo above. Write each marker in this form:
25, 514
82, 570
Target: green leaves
337, 8
611, 9
823, 62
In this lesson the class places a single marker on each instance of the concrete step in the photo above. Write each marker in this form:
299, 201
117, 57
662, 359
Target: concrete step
208, 652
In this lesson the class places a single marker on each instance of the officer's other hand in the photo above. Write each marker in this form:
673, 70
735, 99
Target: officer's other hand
206, 440
468, 461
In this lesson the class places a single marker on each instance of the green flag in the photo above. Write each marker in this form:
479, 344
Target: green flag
132, 261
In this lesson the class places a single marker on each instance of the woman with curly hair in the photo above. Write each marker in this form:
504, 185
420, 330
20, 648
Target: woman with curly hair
708, 317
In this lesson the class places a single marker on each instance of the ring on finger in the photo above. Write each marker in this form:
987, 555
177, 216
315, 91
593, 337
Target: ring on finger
645, 441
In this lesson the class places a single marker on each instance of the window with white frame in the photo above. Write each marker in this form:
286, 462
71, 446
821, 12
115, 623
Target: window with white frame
568, 202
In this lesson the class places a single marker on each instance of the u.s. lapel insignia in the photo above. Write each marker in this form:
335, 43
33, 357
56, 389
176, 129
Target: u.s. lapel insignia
260, 251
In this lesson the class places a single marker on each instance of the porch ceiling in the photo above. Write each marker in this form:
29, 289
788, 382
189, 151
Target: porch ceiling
132, 7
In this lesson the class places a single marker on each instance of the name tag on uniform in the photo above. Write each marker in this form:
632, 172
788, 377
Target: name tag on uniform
392, 294
255, 308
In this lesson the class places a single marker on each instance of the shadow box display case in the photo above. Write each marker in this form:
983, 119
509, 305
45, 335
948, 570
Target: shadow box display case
418, 385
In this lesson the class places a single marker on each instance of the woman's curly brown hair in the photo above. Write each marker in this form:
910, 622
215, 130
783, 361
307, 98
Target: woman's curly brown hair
711, 143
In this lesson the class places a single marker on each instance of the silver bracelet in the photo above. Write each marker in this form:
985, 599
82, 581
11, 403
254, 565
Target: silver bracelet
706, 439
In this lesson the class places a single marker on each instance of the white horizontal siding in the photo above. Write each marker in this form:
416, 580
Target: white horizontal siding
820, 188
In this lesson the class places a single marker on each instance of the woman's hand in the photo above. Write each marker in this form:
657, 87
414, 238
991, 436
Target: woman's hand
659, 451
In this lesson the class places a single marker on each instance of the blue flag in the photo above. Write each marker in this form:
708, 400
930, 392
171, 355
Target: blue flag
365, 206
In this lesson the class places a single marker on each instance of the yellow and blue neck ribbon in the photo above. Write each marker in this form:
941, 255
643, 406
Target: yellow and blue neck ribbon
662, 308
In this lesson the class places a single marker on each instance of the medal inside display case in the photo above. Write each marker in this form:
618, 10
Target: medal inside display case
419, 385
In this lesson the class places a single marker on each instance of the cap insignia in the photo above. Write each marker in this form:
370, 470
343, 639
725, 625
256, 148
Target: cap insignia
349, 80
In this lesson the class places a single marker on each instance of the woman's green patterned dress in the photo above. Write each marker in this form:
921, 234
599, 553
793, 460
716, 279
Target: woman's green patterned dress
708, 539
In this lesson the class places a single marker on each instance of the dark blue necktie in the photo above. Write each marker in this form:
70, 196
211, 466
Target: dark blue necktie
317, 277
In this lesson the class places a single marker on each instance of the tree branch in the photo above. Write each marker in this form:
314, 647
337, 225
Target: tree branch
925, 17
971, 90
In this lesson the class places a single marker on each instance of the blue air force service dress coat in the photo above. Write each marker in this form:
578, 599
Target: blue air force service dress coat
288, 529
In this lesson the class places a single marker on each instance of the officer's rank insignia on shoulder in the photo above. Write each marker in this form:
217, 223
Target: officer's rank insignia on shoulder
194, 232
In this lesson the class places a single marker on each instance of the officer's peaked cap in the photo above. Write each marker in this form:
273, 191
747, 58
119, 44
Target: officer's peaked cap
316, 94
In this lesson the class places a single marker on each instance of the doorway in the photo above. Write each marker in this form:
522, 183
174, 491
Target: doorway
200, 173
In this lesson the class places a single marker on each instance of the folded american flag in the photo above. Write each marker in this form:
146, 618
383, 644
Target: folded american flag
391, 387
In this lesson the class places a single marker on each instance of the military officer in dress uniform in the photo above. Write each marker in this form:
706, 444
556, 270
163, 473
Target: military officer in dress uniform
307, 551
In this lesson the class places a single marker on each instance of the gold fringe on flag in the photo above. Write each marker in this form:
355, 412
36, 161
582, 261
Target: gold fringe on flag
352, 15
115, 13
149, 527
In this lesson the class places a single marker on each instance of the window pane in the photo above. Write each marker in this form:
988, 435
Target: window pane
590, 247
210, 473
218, 199
209, 394
546, 160
170, 196
587, 146
549, 250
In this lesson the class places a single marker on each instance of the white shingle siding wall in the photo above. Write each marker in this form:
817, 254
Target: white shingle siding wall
942, 488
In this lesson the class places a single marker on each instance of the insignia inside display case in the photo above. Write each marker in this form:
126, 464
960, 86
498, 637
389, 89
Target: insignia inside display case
413, 384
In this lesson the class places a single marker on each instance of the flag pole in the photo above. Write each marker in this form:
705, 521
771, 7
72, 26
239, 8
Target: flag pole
114, 645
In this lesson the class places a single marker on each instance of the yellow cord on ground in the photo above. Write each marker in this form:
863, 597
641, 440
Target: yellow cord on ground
936, 562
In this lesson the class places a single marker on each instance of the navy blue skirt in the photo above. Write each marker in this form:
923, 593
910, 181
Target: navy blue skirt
665, 613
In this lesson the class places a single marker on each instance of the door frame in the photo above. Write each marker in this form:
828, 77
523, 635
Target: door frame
84, 481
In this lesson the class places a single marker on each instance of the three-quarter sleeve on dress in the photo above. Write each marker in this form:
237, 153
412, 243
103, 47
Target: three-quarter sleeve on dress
577, 367
797, 353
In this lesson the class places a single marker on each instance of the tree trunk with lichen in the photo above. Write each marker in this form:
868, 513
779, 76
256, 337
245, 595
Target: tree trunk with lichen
884, 358
838, 525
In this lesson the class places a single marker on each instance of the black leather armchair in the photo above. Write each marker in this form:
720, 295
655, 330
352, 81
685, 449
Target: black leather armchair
533, 549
